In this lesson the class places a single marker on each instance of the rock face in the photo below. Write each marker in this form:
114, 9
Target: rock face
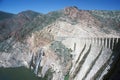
69, 44
76, 14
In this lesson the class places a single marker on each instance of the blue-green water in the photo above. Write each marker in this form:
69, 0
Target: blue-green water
20, 73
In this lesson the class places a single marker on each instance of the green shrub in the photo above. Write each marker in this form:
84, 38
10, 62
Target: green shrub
61, 50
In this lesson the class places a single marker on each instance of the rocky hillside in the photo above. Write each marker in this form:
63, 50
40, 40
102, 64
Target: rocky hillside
5, 15
60, 45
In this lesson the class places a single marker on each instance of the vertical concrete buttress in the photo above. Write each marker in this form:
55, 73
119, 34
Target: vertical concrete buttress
109, 42
106, 42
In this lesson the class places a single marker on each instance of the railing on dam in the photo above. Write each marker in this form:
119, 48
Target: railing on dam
107, 42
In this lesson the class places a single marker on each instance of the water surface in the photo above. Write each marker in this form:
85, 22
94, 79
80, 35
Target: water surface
20, 73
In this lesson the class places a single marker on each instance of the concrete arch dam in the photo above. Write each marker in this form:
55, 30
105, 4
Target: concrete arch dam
92, 57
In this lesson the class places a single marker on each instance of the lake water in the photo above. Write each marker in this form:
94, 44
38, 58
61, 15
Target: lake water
20, 73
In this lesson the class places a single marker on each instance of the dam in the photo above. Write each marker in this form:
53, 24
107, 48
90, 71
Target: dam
92, 57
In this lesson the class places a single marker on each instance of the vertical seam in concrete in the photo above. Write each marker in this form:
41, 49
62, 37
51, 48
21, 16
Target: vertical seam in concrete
99, 72
81, 53
92, 64
82, 61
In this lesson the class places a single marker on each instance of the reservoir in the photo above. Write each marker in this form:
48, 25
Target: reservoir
20, 73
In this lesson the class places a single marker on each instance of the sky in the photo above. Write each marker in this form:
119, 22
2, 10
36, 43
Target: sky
45, 6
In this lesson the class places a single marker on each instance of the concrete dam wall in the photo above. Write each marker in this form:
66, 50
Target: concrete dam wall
92, 57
